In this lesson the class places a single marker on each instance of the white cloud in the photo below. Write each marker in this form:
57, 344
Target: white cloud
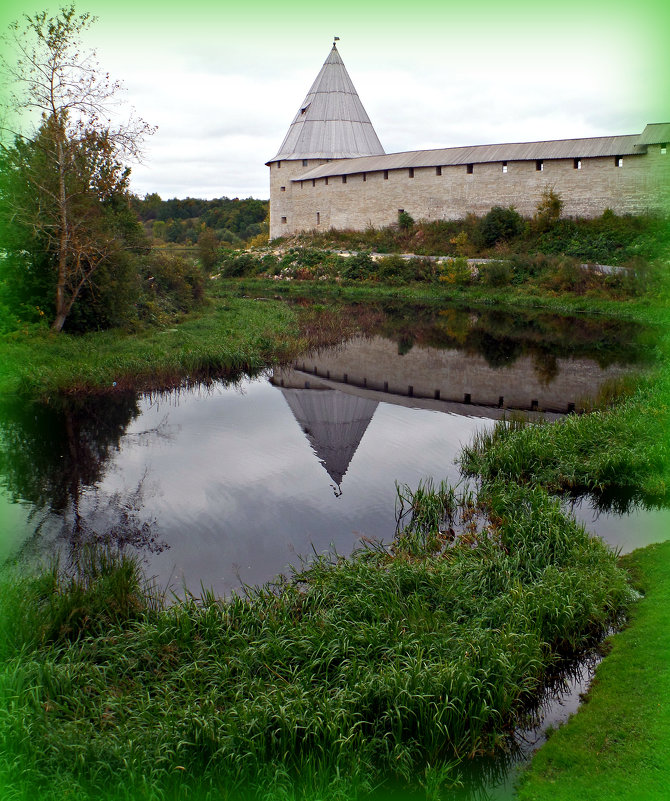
223, 100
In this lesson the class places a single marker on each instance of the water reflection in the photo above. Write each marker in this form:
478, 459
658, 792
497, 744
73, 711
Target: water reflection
501, 337
334, 424
229, 484
54, 457
50, 451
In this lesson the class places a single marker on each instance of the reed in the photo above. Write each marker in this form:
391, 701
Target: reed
395, 663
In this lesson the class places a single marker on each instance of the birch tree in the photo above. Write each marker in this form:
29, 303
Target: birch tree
65, 169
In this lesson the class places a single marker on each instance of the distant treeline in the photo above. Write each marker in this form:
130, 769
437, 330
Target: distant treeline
184, 220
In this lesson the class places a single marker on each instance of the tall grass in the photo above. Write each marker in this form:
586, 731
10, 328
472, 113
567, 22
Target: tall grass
234, 334
392, 664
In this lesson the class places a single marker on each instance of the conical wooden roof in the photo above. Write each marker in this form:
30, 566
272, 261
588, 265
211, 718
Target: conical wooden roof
331, 122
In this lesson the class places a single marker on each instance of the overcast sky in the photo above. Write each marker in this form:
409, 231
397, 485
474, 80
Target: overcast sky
223, 81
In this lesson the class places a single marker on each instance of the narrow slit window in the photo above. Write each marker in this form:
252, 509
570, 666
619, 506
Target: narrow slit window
386, 175
504, 166
469, 168
539, 165
318, 217
326, 180
283, 219
411, 172
279, 165
577, 164
438, 170
664, 148
618, 161
313, 181
365, 176
344, 179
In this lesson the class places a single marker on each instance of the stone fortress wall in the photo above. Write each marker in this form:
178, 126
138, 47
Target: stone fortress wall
331, 170
641, 184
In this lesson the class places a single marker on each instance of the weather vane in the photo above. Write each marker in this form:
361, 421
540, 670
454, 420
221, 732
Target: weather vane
336, 39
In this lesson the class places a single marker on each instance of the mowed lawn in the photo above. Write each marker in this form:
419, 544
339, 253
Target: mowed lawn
618, 745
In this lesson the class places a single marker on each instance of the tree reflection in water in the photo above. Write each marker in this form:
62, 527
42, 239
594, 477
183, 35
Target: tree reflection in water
53, 454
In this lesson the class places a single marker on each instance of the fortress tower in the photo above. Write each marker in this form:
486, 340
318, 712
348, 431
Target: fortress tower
331, 123
331, 170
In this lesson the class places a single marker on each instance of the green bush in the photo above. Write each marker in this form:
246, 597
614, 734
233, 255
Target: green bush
496, 273
397, 270
360, 266
548, 210
177, 284
456, 272
235, 264
500, 225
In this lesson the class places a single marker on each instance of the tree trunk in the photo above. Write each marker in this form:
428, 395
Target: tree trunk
61, 301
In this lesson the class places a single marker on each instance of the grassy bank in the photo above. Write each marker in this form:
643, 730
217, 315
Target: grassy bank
394, 664
618, 455
232, 334
616, 746
237, 333
650, 310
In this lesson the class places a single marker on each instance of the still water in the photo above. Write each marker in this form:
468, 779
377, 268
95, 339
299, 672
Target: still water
228, 484
231, 484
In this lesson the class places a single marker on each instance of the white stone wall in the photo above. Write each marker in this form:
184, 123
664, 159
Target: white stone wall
281, 193
641, 184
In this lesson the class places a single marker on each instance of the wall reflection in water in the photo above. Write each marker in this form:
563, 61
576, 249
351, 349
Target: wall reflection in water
229, 484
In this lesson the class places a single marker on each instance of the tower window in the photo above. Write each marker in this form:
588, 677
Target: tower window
618, 161
386, 175
577, 164
344, 179
313, 181
664, 148
365, 176
438, 170
283, 189
318, 217
469, 168
283, 219
411, 172
304, 162
325, 180
504, 166
279, 165
539, 165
